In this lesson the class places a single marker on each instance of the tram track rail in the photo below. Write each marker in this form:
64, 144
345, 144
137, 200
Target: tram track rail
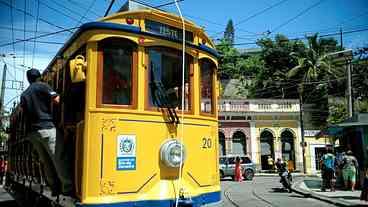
255, 195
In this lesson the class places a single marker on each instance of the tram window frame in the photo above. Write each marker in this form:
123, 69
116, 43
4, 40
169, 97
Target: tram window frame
133, 76
212, 113
148, 105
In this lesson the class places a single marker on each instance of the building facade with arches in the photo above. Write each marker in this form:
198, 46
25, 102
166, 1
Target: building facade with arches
263, 129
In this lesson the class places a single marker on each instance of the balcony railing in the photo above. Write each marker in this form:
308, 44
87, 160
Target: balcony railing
258, 106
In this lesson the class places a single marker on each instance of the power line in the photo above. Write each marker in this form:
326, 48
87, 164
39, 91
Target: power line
168, 3
42, 42
86, 12
109, 7
58, 11
35, 34
260, 12
29, 14
22, 30
301, 38
39, 36
68, 9
83, 6
12, 26
253, 16
296, 16
24, 36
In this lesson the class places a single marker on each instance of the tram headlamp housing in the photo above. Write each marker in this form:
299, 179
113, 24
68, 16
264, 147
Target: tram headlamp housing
172, 153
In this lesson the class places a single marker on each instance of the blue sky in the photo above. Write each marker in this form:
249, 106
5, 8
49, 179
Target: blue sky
293, 18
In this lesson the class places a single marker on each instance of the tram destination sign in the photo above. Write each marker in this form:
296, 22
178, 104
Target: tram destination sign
167, 31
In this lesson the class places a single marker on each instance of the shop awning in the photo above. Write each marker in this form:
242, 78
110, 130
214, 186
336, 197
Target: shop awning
331, 131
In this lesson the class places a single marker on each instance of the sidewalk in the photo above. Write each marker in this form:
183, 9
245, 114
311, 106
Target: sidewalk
294, 174
310, 187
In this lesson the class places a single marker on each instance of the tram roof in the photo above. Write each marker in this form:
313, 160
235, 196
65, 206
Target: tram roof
131, 8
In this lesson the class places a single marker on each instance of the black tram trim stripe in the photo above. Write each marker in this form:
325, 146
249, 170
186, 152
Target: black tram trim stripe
140, 188
191, 176
161, 122
126, 28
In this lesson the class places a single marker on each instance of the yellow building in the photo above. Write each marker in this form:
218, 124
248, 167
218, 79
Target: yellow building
267, 128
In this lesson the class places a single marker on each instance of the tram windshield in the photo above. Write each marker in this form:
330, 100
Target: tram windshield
166, 72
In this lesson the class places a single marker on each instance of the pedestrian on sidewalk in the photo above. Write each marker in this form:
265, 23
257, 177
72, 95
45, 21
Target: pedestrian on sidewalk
270, 163
2, 169
238, 170
364, 194
350, 166
328, 168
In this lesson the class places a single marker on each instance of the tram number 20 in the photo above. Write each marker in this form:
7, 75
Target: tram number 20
206, 143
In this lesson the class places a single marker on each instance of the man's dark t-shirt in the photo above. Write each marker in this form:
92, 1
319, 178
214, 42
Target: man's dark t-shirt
36, 104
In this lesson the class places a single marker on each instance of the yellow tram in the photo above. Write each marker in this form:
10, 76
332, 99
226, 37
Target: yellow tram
120, 81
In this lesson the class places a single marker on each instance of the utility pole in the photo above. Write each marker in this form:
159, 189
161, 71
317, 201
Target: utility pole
2, 94
302, 126
350, 98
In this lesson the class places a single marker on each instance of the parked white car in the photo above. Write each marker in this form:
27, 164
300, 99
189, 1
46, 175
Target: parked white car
227, 166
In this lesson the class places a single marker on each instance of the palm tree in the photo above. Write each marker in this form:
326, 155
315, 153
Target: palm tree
313, 65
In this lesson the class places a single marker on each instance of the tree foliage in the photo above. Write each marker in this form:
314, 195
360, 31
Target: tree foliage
229, 33
287, 68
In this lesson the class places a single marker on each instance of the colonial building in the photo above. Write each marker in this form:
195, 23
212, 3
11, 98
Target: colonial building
261, 128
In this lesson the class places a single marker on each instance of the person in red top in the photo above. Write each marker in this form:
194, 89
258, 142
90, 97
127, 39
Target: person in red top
2, 170
238, 170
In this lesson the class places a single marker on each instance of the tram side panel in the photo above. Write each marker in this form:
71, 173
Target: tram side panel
123, 160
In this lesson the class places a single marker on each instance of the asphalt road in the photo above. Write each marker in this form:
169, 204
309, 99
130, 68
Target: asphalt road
263, 192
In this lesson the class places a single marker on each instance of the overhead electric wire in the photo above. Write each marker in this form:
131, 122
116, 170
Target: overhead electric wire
166, 4
253, 16
35, 34
109, 8
12, 26
296, 16
301, 38
24, 37
39, 36
86, 12
77, 13
83, 6
29, 14
58, 11
22, 30
260, 12
42, 42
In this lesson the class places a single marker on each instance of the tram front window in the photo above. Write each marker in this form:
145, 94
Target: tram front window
165, 74
117, 72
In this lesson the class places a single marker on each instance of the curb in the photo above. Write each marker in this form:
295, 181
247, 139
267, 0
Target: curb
307, 194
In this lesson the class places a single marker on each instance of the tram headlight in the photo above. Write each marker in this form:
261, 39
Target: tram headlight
172, 153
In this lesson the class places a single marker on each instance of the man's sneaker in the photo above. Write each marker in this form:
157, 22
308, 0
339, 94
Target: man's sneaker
67, 200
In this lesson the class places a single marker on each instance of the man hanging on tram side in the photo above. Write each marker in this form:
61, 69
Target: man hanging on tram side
36, 102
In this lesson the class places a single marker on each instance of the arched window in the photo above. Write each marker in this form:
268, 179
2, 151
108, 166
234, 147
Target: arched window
267, 150
239, 144
287, 148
